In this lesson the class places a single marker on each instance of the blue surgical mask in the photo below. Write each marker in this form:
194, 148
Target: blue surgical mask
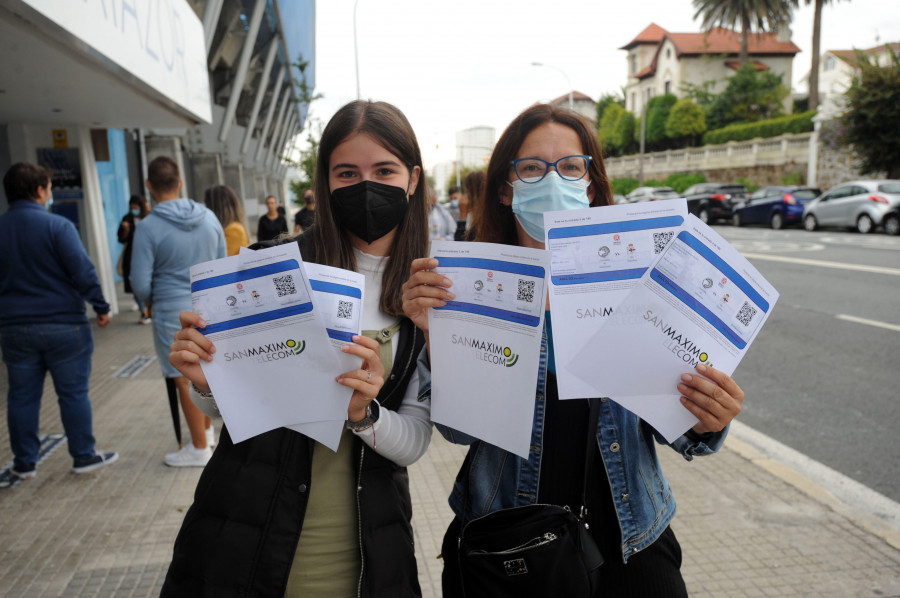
135, 212
551, 194
48, 204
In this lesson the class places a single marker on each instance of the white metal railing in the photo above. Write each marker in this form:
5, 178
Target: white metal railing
787, 148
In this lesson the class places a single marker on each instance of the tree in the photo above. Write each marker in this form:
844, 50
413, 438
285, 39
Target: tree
746, 15
606, 133
307, 161
658, 109
873, 115
686, 121
816, 53
750, 96
606, 100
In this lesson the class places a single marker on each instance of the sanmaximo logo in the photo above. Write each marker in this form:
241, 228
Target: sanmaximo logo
493, 353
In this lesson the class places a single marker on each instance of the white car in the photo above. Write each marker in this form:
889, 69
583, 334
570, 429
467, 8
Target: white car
857, 204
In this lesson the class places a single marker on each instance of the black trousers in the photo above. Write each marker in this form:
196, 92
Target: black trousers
655, 572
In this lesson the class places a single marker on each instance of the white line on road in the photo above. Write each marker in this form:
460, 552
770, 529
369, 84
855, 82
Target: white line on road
875, 323
824, 264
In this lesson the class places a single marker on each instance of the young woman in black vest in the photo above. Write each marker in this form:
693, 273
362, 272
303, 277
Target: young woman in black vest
279, 514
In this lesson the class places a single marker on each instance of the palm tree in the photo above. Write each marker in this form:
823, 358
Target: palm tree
763, 15
816, 53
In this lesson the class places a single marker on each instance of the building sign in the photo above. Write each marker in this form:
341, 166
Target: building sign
160, 42
60, 139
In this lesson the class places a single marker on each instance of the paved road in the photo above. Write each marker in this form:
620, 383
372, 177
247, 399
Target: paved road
822, 375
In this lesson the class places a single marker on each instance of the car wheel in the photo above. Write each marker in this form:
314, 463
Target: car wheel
703, 215
736, 220
864, 224
892, 224
809, 223
777, 221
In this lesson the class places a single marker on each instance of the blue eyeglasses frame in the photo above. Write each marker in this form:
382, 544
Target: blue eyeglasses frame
515, 167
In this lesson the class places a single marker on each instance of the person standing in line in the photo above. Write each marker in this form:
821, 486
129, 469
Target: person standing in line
137, 211
272, 223
305, 217
45, 279
474, 184
441, 225
177, 234
224, 203
552, 154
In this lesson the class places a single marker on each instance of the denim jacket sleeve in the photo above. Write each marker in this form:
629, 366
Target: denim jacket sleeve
423, 366
697, 448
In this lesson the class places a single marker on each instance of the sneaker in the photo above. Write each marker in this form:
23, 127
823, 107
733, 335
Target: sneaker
93, 463
188, 457
211, 436
25, 472
145, 320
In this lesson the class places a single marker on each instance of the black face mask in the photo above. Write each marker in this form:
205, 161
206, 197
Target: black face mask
368, 209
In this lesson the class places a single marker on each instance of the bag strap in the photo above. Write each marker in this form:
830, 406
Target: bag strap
590, 449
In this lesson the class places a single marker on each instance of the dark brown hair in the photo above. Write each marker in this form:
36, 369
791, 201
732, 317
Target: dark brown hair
163, 175
22, 180
387, 125
495, 222
224, 203
141, 202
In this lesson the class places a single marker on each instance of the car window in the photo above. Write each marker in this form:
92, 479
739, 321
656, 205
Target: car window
838, 193
806, 193
760, 194
857, 190
889, 187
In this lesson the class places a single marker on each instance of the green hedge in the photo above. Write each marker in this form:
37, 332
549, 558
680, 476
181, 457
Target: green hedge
795, 123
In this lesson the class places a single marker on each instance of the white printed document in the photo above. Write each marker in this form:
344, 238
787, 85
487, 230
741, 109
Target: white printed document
597, 255
701, 302
274, 364
486, 343
338, 295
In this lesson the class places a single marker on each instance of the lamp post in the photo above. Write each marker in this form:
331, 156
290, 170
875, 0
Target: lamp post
569, 81
355, 49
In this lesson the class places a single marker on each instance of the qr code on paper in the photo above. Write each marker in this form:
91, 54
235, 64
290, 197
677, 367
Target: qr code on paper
284, 285
345, 309
526, 291
660, 240
745, 316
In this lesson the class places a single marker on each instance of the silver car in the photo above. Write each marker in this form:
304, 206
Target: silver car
651, 194
858, 204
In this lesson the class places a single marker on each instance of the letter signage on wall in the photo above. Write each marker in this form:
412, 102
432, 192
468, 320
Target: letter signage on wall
160, 42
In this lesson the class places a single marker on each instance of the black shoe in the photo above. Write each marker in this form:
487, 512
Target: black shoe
95, 462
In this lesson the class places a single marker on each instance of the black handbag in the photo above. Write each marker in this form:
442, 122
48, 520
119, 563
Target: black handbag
533, 550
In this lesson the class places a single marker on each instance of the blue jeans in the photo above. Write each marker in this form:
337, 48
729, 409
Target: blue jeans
29, 350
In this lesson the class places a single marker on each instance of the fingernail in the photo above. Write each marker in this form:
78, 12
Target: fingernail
683, 400
686, 377
346, 348
701, 368
209, 358
338, 379
682, 387
202, 323
450, 295
447, 282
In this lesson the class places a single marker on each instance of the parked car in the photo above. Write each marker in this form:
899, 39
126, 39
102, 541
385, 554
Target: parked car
776, 206
651, 194
862, 205
619, 198
712, 201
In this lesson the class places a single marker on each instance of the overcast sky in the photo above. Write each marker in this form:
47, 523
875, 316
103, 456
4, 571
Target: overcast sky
453, 64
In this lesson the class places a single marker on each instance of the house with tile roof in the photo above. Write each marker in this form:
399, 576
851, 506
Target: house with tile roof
836, 71
661, 62
581, 103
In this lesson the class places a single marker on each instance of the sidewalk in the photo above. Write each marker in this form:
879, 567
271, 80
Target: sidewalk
748, 526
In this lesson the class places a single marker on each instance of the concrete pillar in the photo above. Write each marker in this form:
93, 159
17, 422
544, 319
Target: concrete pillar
234, 178
170, 147
207, 172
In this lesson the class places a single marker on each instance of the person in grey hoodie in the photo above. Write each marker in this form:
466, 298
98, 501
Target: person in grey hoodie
177, 234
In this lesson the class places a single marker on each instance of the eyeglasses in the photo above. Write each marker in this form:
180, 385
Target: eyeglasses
533, 170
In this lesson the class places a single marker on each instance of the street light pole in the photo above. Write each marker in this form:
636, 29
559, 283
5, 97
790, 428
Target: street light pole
569, 81
355, 49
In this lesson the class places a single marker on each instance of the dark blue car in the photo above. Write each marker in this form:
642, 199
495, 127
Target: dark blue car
776, 206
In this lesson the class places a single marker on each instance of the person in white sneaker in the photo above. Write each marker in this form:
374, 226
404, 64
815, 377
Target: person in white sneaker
177, 234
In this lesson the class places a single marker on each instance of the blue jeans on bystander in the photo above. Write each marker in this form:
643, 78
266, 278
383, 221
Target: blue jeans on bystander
29, 350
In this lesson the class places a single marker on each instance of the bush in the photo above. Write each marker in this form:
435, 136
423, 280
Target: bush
624, 186
795, 178
797, 123
686, 121
658, 109
746, 183
681, 181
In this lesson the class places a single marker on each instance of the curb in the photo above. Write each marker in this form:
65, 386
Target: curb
874, 512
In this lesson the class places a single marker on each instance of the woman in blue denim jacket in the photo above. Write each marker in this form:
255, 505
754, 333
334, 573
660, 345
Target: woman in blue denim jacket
551, 153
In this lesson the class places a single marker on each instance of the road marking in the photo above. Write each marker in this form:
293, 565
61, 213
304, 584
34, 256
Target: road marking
135, 366
824, 264
875, 323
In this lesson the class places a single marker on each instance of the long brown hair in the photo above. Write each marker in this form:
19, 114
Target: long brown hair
224, 203
495, 222
387, 125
